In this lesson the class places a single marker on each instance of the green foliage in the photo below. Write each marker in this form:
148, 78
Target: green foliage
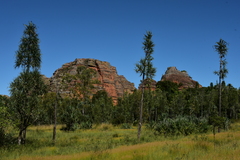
127, 109
27, 88
28, 55
5, 122
168, 86
102, 106
221, 48
77, 108
145, 66
25, 91
47, 108
85, 125
80, 84
146, 70
70, 114
217, 121
126, 126
119, 144
181, 126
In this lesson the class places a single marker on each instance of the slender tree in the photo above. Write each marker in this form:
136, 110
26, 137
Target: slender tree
146, 70
221, 48
28, 86
55, 117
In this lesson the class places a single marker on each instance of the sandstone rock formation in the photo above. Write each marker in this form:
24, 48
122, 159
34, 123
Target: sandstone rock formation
181, 77
46, 80
115, 85
148, 84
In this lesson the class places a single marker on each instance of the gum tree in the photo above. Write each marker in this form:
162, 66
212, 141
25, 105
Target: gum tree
80, 87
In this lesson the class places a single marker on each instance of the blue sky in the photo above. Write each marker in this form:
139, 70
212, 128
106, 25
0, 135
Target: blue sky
184, 32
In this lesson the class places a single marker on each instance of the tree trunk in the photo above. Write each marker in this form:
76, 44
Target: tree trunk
156, 114
140, 117
220, 99
55, 117
55, 123
22, 136
220, 94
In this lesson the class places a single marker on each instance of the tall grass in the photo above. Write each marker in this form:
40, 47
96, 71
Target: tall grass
111, 142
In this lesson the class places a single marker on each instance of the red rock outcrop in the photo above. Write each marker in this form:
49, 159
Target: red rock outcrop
115, 85
148, 84
180, 77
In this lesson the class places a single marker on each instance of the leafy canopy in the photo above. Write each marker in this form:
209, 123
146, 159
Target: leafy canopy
28, 55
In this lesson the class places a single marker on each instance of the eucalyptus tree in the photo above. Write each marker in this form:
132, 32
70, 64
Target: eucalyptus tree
102, 106
80, 87
127, 108
146, 70
232, 101
81, 84
26, 89
48, 108
221, 48
161, 105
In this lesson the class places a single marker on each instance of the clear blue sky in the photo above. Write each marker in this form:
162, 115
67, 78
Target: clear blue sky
184, 32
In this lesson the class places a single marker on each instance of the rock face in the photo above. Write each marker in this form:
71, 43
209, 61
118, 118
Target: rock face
181, 77
115, 85
148, 84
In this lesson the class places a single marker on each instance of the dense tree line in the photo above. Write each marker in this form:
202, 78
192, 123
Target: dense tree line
165, 104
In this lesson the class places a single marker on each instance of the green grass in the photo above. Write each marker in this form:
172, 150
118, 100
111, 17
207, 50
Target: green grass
109, 142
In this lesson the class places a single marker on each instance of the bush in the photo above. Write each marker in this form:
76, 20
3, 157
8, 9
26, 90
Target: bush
5, 138
105, 127
86, 125
2, 136
126, 126
181, 125
151, 125
115, 135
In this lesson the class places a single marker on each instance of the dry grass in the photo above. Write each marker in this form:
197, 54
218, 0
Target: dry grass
226, 145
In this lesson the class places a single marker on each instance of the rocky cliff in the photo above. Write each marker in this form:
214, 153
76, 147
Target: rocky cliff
181, 77
148, 84
115, 85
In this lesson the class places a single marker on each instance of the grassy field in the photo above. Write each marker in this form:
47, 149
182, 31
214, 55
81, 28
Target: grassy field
108, 142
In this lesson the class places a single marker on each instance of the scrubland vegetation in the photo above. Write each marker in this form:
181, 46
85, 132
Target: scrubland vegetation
111, 142
193, 123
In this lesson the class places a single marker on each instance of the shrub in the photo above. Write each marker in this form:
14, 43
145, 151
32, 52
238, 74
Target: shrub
126, 126
151, 125
181, 125
86, 125
115, 135
5, 138
105, 127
